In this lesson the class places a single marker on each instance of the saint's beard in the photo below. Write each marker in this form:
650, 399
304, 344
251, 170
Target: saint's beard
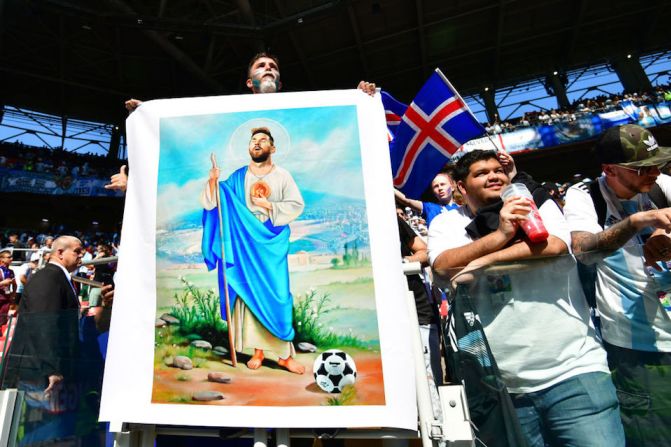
261, 158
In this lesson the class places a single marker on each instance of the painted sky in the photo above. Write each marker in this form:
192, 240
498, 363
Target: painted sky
319, 146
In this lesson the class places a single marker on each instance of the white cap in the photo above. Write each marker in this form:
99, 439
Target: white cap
35, 257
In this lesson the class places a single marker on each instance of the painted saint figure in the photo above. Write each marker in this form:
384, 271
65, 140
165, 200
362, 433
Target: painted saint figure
258, 202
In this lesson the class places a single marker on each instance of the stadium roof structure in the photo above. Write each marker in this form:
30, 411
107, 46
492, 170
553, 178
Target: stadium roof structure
81, 59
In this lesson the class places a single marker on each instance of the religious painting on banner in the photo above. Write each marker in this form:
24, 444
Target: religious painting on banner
259, 272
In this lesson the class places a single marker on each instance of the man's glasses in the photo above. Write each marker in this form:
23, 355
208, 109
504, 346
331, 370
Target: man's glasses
644, 170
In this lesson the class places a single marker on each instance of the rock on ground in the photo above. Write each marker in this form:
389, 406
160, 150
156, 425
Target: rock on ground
182, 362
201, 344
306, 347
220, 350
205, 396
218, 377
169, 319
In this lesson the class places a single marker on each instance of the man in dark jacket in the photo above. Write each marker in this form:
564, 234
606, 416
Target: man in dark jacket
46, 341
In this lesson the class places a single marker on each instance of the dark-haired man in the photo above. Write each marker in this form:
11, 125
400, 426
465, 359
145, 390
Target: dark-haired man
258, 202
263, 76
625, 213
537, 322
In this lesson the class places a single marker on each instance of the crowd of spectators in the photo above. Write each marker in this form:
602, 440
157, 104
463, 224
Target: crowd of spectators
580, 107
25, 242
546, 359
59, 162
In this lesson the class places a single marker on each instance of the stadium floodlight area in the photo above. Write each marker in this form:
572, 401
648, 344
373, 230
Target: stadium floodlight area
528, 96
658, 67
39, 129
590, 82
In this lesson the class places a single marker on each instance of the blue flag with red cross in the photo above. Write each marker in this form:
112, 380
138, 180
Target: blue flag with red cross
432, 128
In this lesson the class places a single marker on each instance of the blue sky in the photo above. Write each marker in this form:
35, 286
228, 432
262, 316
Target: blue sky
319, 146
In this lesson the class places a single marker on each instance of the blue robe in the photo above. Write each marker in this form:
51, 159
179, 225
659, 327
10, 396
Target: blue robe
257, 269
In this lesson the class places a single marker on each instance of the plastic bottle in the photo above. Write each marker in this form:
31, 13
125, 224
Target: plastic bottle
533, 226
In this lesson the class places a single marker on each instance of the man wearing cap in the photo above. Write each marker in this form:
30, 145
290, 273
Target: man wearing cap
623, 217
258, 202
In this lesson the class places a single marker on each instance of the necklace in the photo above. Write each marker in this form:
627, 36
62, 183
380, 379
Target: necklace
259, 177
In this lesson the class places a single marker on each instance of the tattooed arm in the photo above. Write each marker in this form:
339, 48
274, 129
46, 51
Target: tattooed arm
617, 235
610, 239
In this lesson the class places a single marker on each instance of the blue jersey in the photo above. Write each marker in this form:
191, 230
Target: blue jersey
431, 210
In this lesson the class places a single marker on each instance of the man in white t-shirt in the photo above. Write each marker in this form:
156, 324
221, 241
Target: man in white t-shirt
536, 320
633, 283
23, 274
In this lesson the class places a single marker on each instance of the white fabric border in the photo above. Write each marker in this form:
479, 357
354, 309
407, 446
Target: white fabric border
127, 386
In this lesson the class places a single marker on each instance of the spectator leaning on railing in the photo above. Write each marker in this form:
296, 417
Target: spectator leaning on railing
540, 333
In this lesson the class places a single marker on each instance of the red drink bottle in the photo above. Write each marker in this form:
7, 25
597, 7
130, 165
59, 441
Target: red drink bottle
533, 226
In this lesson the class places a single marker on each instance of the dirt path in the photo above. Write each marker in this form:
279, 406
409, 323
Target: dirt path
269, 385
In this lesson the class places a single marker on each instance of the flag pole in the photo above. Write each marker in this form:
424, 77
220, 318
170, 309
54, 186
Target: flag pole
496, 148
222, 264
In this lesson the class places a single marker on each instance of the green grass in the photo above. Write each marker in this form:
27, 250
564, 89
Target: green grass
198, 357
308, 326
198, 313
199, 362
345, 398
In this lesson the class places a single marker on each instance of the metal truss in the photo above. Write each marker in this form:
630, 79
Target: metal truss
55, 132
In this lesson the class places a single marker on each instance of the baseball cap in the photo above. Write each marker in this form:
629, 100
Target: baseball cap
631, 145
34, 257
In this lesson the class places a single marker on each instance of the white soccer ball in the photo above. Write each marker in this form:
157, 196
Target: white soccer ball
333, 370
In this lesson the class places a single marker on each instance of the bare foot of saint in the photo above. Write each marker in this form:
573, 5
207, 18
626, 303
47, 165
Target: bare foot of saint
256, 360
292, 365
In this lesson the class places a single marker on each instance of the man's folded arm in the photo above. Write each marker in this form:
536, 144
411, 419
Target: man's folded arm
451, 260
553, 246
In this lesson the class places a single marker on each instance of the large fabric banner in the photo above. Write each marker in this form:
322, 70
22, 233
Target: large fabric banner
295, 230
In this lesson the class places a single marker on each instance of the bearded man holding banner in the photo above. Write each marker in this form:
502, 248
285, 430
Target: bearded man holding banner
257, 203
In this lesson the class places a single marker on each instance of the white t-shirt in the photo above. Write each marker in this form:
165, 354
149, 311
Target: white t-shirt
634, 302
25, 270
536, 319
84, 269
